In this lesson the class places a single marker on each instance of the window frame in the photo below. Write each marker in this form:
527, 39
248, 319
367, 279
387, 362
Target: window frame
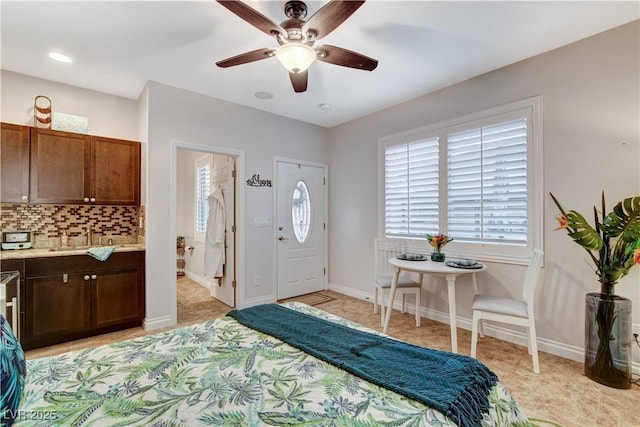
199, 163
485, 251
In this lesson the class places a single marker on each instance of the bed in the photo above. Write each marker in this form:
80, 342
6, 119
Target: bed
222, 372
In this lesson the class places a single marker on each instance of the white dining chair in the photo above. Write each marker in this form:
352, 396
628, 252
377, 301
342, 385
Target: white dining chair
385, 249
512, 311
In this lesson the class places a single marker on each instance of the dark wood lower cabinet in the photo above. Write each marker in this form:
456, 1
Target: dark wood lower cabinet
73, 297
118, 299
57, 308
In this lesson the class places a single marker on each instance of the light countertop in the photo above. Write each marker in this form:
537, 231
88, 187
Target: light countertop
46, 253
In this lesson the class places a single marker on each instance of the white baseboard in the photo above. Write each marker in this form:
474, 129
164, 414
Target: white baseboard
559, 349
258, 301
157, 323
201, 280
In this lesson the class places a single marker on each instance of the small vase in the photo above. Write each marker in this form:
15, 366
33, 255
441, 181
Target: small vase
437, 256
608, 338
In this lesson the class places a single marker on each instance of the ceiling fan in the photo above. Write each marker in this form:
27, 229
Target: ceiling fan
296, 38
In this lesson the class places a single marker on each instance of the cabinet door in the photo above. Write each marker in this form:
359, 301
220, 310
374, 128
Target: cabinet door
115, 171
59, 167
14, 167
118, 298
57, 310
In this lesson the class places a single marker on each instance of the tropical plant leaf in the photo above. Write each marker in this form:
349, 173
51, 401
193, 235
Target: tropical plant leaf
582, 232
624, 221
224, 419
299, 418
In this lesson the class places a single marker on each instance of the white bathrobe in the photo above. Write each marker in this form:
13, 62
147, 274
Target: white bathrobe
214, 252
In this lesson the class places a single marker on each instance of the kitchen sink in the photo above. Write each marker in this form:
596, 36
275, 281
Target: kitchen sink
85, 247
71, 248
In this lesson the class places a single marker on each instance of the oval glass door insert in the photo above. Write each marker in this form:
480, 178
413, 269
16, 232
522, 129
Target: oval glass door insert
301, 211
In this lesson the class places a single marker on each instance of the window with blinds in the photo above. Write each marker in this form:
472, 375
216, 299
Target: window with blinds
478, 179
412, 188
203, 188
487, 183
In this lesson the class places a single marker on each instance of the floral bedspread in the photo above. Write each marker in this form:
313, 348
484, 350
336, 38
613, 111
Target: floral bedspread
219, 373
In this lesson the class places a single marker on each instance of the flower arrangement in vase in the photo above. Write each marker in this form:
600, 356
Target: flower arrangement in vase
437, 242
614, 247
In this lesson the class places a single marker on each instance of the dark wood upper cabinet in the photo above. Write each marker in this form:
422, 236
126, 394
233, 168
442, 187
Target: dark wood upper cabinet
115, 171
82, 169
60, 164
14, 167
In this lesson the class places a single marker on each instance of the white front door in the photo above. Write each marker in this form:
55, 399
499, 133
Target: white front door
301, 229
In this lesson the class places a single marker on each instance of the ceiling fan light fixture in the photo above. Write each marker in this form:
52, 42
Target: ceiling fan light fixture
296, 57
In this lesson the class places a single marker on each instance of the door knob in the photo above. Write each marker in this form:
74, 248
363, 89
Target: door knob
282, 238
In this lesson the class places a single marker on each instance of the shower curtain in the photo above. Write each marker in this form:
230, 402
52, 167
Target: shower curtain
214, 253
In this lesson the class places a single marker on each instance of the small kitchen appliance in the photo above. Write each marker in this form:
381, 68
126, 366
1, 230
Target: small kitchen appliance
17, 240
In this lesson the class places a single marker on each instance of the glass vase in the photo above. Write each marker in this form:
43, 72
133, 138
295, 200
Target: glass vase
608, 338
437, 256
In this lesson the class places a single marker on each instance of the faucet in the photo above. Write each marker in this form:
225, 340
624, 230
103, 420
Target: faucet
89, 239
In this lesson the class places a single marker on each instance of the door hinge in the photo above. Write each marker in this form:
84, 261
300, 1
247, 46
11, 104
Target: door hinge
233, 283
324, 225
233, 228
324, 181
233, 173
324, 271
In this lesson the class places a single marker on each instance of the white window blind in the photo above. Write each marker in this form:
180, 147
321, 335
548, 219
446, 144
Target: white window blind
487, 183
411, 188
203, 188
477, 178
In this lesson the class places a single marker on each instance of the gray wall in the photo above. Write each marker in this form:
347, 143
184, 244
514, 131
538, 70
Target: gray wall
179, 116
590, 94
109, 115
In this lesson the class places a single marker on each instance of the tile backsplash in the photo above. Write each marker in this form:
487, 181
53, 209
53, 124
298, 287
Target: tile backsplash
121, 224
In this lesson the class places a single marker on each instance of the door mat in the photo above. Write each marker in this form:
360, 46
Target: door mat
315, 298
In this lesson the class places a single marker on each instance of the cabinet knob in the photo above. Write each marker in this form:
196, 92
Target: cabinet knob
94, 277
86, 199
93, 199
86, 277
25, 198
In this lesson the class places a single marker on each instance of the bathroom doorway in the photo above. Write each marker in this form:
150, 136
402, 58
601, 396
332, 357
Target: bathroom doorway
206, 214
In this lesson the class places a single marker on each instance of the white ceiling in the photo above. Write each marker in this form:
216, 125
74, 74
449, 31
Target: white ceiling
421, 46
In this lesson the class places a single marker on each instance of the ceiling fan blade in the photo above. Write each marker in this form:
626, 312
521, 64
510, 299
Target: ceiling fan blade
330, 16
243, 58
253, 17
345, 58
299, 81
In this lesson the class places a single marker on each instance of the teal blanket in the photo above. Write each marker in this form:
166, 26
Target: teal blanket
456, 385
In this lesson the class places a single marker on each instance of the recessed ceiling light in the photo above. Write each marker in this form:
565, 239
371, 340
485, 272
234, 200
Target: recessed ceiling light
60, 57
263, 95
